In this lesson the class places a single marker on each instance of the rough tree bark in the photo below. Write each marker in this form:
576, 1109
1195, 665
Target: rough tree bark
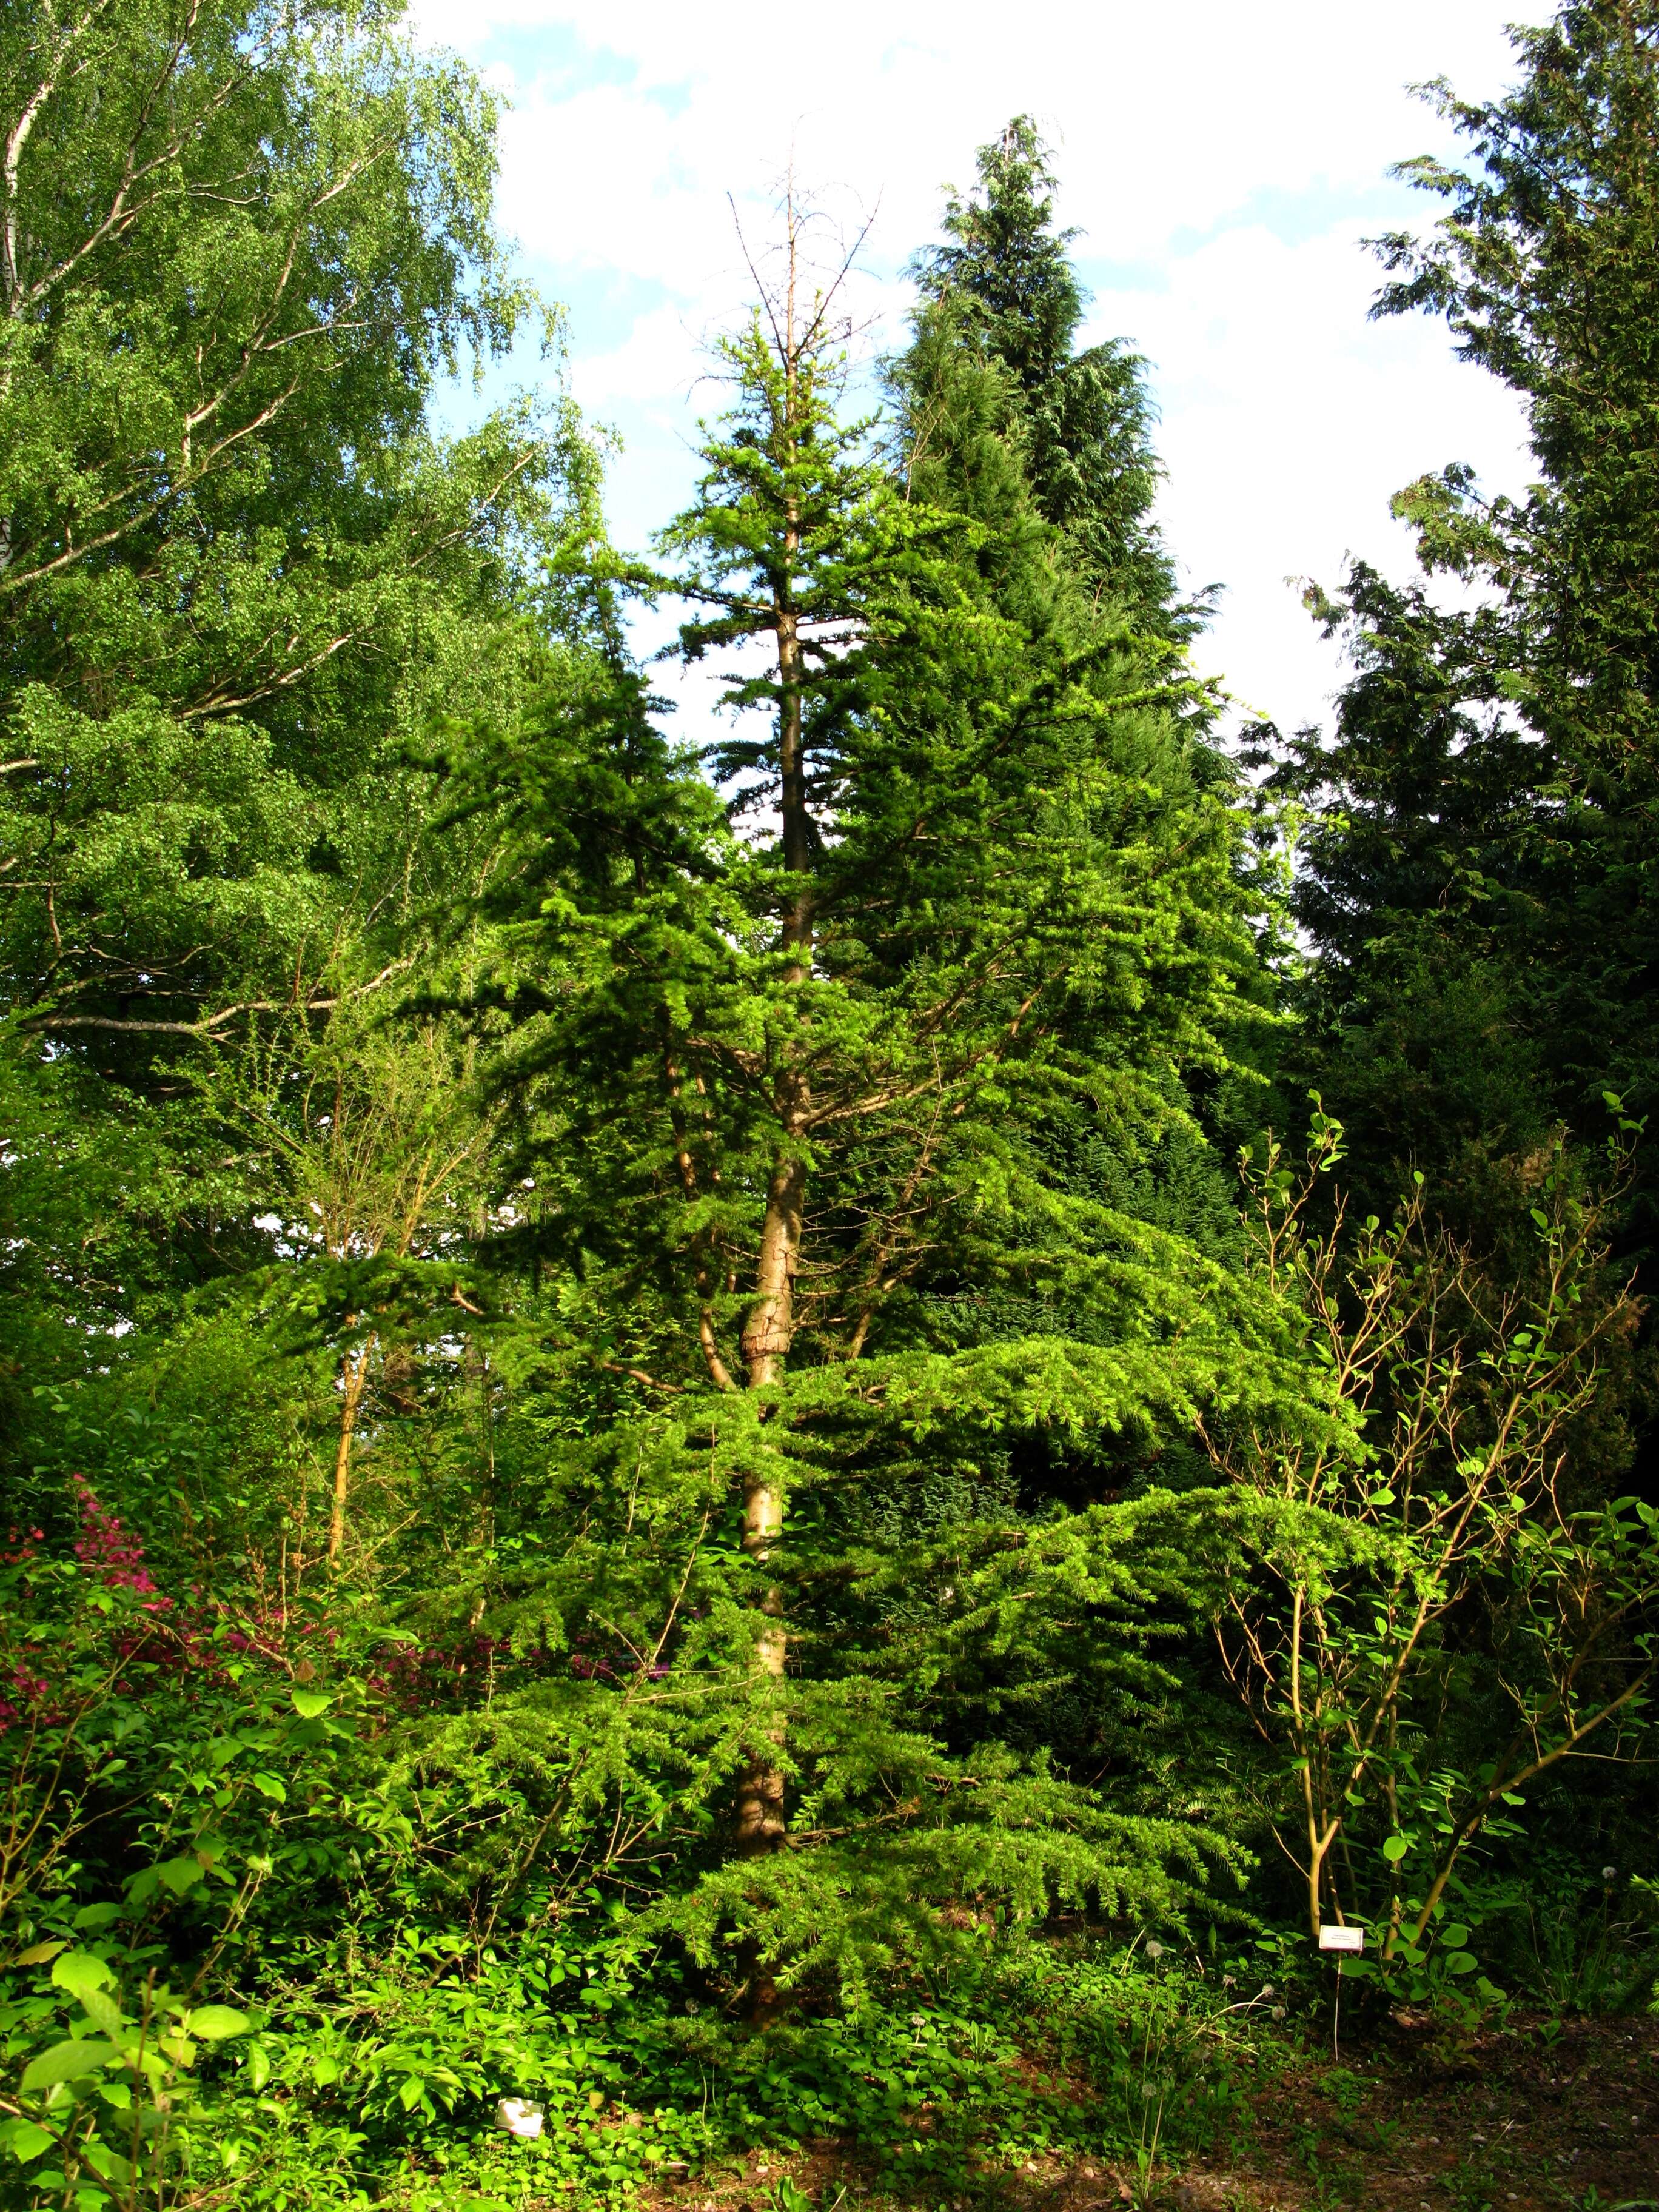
354, 1373
768, 1329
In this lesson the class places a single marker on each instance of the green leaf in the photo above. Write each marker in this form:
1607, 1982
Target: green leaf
179, 1875
1454, 1935
1395, 1849
66, 2062
309, 1704
217, 2023
27, 2140
1461, 1962
268, 1786
37, 1954
108, 2165
80, 1970
101, 2010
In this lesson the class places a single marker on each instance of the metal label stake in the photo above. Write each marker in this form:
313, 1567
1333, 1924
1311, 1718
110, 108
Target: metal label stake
1340, 1939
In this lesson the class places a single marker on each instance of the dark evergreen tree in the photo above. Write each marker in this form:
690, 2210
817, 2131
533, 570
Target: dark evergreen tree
1421, 879
1004, 278
1049, 451
814, 1089
1480, 872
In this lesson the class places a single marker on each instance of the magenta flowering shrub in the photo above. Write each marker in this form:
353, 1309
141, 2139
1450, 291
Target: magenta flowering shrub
104, 1547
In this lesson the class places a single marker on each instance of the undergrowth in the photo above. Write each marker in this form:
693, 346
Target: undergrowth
381, 2088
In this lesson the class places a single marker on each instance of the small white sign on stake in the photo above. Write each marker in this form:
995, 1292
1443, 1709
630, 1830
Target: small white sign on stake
1341, 1939
519, 2117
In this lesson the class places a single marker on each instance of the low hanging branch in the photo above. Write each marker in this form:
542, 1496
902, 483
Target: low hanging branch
208, 1026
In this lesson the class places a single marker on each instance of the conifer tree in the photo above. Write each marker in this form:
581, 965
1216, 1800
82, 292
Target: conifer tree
789, 1065
1484, 854
967, 389
1005, 279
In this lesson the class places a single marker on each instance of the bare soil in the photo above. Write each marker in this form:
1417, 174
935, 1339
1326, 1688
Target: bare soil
1522, 2121
1542, 2119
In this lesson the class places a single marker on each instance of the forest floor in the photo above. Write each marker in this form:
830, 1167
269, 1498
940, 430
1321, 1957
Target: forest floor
1514, 2123
1538, 2119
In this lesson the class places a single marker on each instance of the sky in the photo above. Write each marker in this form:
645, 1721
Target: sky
1224, 161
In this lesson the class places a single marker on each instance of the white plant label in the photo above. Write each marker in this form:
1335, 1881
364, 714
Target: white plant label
519, 2116
1341, 1939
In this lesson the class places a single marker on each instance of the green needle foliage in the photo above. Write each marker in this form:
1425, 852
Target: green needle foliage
1482, 861
1082, 422
651, 1458
788, 1068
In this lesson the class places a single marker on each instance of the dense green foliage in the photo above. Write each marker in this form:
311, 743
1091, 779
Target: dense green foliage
654, 1458
1079, 425
1482, 859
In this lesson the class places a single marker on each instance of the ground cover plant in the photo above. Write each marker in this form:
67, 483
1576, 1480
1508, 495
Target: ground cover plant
798, 1452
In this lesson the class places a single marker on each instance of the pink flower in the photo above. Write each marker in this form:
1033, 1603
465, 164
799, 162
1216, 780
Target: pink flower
106, 1548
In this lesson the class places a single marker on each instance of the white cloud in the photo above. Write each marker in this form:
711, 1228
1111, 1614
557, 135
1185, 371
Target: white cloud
659, 364
1212, 153
1169, 118
1289, 420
